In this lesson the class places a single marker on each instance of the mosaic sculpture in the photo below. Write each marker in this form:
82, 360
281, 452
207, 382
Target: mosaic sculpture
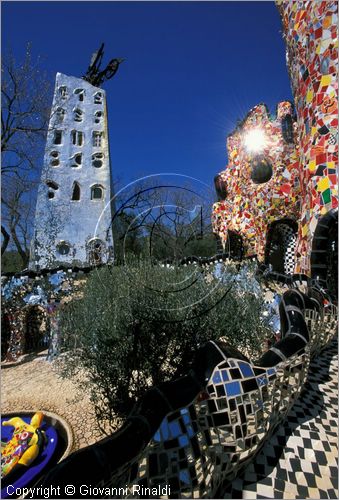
260, 186
194, 433
311, 36
29, 450
24, 446
306, 174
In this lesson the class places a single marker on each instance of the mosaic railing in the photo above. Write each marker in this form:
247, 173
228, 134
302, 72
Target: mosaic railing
188, 437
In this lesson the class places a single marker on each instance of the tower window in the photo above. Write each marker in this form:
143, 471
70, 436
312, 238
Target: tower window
60, 113
98, 116
52, 187
98, 98
76, 192
76, 160
54, 158
63, 248
97, 139
97, 160
57, 137
80, 93
97, 192
77, 137
63, 92
78, 115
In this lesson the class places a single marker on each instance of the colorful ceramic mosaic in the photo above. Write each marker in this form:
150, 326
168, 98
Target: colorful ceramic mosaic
199, 448
311, 36
253, 203
304, 181
24, 446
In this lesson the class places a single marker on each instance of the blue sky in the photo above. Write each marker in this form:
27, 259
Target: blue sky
192, 69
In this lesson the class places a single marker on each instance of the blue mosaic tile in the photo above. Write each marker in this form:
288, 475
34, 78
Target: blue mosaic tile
262, 381
175, 429
216, 378
224, 375
183, 440
233, 389
184, 476
164, 430
156, 436
246, 369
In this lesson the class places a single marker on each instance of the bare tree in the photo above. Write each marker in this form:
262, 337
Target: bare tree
18, 215
165, 220
26, 96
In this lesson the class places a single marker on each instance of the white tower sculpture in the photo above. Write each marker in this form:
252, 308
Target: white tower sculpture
73, 215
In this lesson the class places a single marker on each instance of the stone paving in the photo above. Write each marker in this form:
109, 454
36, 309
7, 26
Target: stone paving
35, 385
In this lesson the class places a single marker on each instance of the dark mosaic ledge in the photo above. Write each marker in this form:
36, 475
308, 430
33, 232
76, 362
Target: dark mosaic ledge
198, 432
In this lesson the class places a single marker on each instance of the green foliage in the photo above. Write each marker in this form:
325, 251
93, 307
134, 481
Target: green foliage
139, 325
11, 262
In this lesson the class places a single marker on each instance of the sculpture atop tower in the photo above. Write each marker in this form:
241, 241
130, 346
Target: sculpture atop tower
73, 214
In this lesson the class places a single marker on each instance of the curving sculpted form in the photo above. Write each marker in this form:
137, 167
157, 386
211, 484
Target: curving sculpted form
187, 437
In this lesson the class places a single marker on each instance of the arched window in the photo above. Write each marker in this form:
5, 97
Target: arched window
97, 139
97, 160
98, 116
97, 192
78, 115
52, 187
55, 162
80, 93
96, 251
76, 160
76, 192
98, 98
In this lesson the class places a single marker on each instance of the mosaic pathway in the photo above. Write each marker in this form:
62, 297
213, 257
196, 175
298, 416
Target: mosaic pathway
300, 460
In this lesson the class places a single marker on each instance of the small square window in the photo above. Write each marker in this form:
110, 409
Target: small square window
77, 137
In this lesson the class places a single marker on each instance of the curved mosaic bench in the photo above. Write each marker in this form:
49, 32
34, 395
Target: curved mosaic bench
195, 433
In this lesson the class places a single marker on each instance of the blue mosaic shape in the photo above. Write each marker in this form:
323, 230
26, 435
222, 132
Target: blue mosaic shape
157, 437
184, 476
190, 431
233, 389
165, 430
224, 375
216, 378
262, 381
183, 440
246, 369
175, 429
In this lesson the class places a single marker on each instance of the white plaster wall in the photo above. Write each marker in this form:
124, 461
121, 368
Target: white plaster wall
60, 218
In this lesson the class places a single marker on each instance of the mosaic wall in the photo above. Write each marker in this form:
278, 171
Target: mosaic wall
199, 448
28, 316
261, 181
311, 36
190, 437
303, 184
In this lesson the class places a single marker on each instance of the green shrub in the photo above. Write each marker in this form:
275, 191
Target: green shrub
139, 325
